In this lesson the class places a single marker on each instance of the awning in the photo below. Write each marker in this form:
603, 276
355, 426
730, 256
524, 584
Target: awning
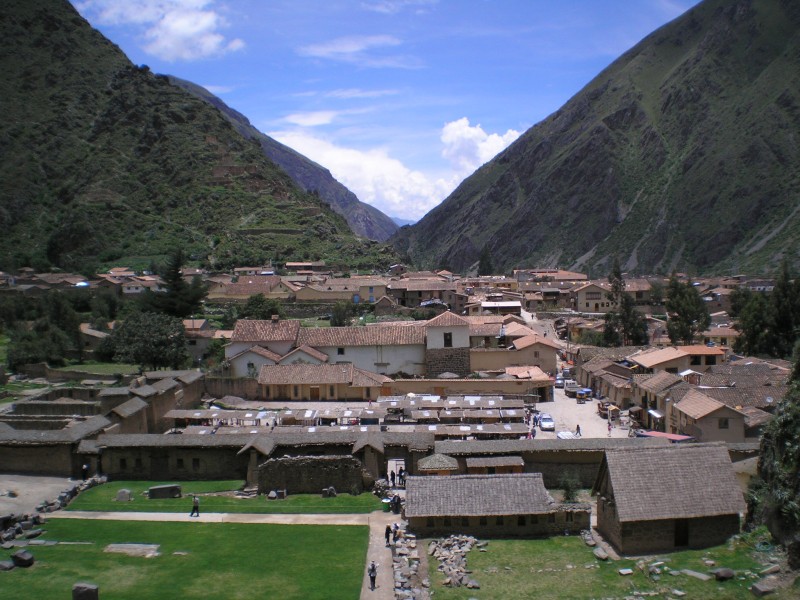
655, 414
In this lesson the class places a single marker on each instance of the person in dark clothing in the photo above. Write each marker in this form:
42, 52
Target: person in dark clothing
195, 507
392, 477
372, 571
388, 534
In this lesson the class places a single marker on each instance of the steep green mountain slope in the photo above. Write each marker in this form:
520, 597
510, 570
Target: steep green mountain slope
365, 220
104, 161
683, 153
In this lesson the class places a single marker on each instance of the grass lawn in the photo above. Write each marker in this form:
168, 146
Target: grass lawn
103, 368
539, 568
214, 500
228, 561
15, 389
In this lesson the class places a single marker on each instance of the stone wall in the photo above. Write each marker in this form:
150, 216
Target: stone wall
571, 518
53, 459
310, 474
447, 360
553, 465
180, 464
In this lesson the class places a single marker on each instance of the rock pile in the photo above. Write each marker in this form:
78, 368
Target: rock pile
69, 494
409, 583
451, 552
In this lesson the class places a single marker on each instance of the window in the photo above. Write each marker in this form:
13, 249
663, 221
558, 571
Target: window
296, 391
695, 360
593, 295
521, 520
568, 517
330, 391
499, 520
536, 354
123, 464
711, 360
724, 423
340, 351
448, 340
180, 463
367, 393
195, 464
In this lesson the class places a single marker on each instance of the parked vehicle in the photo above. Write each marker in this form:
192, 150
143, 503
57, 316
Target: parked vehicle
559, 382
546, 422
571, 387
583, 394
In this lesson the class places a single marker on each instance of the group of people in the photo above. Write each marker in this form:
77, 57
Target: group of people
398, 479
392, 533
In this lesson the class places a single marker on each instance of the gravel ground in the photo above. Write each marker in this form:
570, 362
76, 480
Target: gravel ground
30, 490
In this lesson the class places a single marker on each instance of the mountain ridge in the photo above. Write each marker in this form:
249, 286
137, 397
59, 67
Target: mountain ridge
678, 155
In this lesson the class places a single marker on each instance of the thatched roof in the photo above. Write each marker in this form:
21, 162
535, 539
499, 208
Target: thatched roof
438, 462
679, 481
477, 495
495, 461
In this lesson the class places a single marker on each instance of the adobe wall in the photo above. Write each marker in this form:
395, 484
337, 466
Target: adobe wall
447, 360
571, 520
553, 465
54, 459
644, 537
310, 474
183, 464
245, 387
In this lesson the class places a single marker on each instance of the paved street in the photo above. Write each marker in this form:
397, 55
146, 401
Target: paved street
567, 413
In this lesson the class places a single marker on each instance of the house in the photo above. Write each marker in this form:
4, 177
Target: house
720, 336
447, 345
667, 498
412, 291
437, 464
489, 505
303, 382
354, 290
592, 297
708, 420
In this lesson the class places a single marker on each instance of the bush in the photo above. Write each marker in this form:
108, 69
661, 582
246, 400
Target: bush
570, 484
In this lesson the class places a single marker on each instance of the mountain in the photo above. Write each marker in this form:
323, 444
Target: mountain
401, 222
682, 154
365, 220
103, 161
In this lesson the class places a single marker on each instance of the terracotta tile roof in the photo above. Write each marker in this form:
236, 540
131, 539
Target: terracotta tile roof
765, 397
448, 319
306, 349
383, 335
673, 482
422, 285
484, 329
247, 330
697, 405
703, 350
495, 461
754, 417
658, 382
532, 340
654, 358
298, 374
477, 495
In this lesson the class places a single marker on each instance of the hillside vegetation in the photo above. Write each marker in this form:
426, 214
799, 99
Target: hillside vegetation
104, 161
682, 154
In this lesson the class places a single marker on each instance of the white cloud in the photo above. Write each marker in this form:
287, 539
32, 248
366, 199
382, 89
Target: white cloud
360, 50
344, 47
391, 7
467, 147
358, 93
312, 119
373, 175
174, 29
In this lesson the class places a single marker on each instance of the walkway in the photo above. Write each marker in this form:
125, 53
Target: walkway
377, 522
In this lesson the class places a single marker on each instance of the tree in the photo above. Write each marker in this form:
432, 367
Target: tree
342, 313
775, 497
180, 299
624, 325
686, 311
784, 314
150, 340
260, 307
485, 265
44, 342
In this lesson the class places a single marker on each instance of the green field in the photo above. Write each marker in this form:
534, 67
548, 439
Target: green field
565, 568
215, 497
229, 561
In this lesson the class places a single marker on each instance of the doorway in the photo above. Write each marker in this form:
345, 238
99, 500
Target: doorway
681, 533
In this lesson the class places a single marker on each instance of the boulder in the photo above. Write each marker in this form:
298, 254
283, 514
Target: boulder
600, 554
768, 585
85, 591
164, 491
6, 565
723, 574
22, 558
124, 495
273, 495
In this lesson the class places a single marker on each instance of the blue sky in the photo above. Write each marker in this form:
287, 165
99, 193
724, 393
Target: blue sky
399, 99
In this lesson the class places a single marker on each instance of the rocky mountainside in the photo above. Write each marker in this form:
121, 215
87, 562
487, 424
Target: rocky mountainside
103, 161
682, 154
365, 220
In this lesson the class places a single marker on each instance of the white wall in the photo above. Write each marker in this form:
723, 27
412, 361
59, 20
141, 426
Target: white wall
435, 336
408, 358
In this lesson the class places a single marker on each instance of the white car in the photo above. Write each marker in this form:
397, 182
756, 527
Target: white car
546, 422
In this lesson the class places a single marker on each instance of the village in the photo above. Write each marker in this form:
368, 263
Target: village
469, 399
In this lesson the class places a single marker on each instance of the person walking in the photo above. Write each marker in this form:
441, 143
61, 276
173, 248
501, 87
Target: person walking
609, 428
388, 534
578, 430
372, 571
195, 507
392, 477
